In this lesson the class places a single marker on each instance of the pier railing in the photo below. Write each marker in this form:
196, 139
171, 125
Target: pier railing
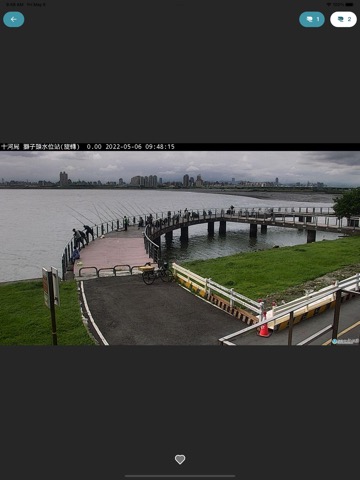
151, 248
99, 231
155, 221
107, 227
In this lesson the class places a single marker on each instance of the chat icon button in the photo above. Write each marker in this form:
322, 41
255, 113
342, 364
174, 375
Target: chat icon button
343, 19
312, 19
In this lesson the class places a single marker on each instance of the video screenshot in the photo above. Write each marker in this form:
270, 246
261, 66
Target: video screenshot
166, 247
179, 185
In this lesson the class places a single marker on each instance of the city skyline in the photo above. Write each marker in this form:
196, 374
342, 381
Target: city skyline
329, 167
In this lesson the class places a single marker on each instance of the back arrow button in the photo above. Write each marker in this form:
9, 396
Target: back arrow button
13, 19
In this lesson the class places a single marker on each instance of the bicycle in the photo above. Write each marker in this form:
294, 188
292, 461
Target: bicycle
150, 274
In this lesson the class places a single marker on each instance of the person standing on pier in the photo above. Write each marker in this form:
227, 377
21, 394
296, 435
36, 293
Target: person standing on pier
88, 231
125, 223
78, 239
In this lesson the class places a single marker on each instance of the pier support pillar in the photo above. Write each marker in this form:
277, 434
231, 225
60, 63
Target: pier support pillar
253, 230
169, 236
222, 227
184, 233
311, 236
211, 228
263, 228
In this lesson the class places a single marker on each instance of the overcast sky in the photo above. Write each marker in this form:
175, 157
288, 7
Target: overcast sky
332, 168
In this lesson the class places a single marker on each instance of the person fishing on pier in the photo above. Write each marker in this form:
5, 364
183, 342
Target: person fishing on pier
78, 238
88, 231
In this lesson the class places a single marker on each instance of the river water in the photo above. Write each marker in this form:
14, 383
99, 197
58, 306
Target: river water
36, 225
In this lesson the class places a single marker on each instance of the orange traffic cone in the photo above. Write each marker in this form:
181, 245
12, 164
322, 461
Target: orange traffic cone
264, 330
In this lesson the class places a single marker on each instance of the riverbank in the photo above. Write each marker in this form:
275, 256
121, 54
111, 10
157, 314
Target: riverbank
291, 196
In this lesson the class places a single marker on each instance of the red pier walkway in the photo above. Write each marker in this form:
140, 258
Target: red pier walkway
117, 248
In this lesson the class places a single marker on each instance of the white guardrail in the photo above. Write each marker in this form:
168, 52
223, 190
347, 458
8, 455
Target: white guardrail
278, 314
312, 300
208, 286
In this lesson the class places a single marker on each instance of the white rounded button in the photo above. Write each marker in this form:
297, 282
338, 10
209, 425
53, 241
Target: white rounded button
343, 19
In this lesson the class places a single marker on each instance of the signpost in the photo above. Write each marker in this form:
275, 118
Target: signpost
51, 295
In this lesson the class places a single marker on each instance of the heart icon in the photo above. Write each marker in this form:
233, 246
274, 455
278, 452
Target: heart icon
180, 459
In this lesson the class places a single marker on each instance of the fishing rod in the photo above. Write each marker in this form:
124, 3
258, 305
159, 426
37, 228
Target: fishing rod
106, 214
152, 211
106, 221
116, 214
129, 212
81, 221
139, 210
111, 211
77, 219
121, 213
101, 221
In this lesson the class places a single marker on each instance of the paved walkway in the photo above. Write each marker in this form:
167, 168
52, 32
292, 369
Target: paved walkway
123, 310
128, 312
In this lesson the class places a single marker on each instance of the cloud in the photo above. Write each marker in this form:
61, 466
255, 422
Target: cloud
342, 167
109, 168
341, 158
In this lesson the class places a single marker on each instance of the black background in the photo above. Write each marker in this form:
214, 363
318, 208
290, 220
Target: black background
178, 71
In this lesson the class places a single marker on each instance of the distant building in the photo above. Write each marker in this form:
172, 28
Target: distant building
186, 180
153, 181
150, 181
64, 180
136, 180
199, 181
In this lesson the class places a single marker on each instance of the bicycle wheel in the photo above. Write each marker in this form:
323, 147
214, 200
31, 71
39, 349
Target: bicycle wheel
166, 276
148, 277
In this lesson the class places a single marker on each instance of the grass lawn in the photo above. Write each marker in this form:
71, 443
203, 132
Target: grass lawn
272, 273
26, 320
